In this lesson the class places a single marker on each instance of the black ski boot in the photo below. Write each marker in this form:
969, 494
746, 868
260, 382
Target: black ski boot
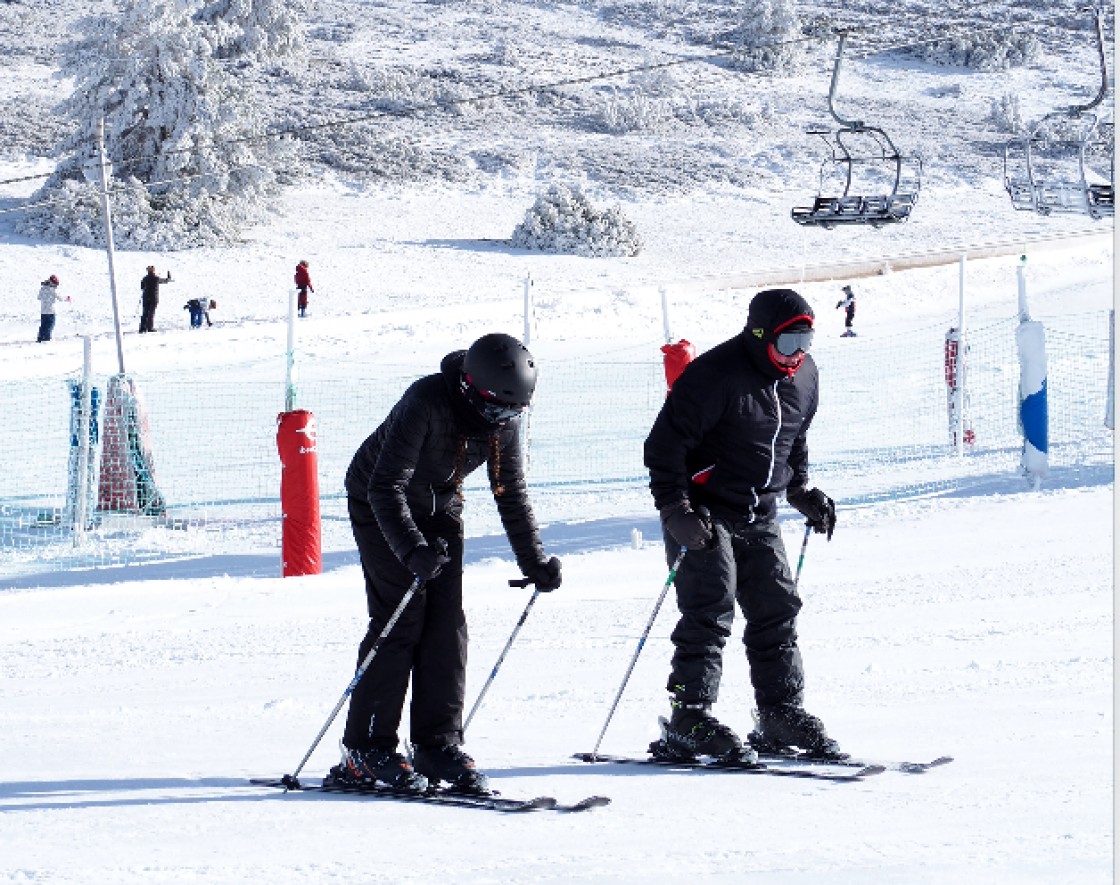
787, 729
387, 766
450, 763
693, 731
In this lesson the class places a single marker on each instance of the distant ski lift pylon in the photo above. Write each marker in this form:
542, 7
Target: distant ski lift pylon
1058, 167
865, 179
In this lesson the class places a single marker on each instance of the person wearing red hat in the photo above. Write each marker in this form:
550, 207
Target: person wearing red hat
48, 297
729, 439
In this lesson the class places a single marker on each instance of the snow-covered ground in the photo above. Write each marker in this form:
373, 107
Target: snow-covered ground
134, 711
136, 702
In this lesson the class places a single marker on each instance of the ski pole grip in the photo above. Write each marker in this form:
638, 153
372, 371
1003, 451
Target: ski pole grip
520, 582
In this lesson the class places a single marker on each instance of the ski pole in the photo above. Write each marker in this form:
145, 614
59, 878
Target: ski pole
634, 660
524, 582
291, 781
801, 558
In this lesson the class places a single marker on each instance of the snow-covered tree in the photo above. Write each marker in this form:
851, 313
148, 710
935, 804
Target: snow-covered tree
766, 36
255, 31
563, 220
182, 133
991, 51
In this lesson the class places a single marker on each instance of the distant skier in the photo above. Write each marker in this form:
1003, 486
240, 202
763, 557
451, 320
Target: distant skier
303, 285
731, 437
200, 310
149, 298
849, 305
405, 496
48, 297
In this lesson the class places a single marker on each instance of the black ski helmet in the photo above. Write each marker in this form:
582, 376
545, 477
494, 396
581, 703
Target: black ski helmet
501, 368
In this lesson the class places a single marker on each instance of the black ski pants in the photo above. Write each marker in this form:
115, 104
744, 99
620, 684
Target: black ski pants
148, 305
746, 564
427, 644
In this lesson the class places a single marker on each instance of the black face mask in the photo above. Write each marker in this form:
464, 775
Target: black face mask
494, 411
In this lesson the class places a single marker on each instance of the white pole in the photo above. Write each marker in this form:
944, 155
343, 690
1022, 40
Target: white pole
1110, 408
109, 240
84, 416
1024, 308
528, 308
290, 374
665, 316
958, 396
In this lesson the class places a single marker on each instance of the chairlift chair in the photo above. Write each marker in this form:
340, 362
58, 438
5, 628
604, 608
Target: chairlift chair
1057, 168
864, 179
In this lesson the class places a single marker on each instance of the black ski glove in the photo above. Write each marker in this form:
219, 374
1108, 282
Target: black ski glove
816, 507
545, 574
690, 529
426, 562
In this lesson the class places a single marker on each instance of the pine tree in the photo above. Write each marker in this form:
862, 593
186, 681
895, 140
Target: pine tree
179, 125
563, 220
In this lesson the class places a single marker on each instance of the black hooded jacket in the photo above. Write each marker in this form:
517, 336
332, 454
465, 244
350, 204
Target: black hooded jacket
731, 435
406, 469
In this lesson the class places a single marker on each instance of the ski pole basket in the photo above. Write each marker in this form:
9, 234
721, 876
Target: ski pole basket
864, 179
1065, 164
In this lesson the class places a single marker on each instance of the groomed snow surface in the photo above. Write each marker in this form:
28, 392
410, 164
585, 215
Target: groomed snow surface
134, 712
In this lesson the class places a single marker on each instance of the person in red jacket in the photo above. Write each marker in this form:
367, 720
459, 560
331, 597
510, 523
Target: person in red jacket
303, 284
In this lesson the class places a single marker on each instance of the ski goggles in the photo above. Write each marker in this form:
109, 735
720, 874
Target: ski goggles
790, 343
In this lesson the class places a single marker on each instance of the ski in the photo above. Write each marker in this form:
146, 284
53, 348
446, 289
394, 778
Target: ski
445, 797
840, 774
905, 767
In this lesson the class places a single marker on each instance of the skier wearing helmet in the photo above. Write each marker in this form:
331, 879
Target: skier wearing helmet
405, 495
731, 437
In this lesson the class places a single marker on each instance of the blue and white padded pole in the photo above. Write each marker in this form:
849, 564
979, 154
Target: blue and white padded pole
1030, 340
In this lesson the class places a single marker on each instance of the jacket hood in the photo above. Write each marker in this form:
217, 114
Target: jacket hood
772, 311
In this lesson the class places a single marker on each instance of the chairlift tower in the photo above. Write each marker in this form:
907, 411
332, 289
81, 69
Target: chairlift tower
865, 179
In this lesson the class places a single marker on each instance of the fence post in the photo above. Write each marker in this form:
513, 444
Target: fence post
1109, 408
528, 308
962, 363
81, 516
665, 316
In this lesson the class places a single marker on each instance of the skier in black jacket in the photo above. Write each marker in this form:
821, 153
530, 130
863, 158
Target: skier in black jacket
149, 298
404, 491
730, 437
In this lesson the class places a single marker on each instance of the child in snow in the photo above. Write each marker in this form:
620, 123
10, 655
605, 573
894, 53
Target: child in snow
849, 305
200, 308
303, 284
48, 297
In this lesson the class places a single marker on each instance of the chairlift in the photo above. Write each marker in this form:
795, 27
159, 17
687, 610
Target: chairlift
864, 179
1058, 167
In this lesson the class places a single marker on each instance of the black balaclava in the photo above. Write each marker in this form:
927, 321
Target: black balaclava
772, 311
